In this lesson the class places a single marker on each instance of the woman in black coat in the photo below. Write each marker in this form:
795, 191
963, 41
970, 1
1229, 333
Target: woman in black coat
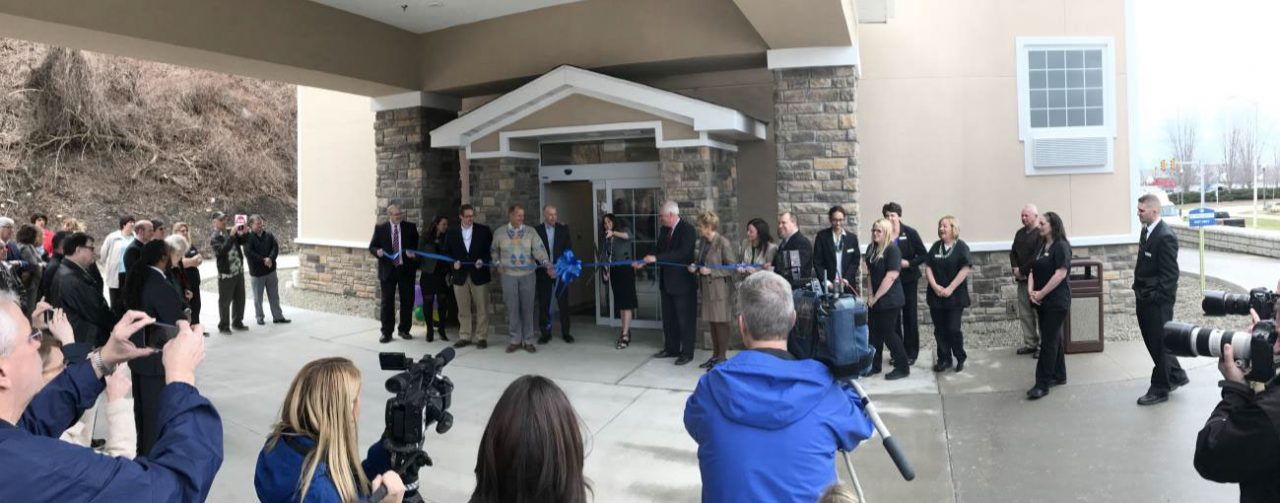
148, 288
437, 292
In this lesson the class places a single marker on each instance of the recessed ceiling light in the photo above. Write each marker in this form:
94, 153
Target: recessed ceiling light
436, 4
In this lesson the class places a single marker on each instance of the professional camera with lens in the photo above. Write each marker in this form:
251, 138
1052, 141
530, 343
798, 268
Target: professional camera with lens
1252, 350
422, 398
1261, 300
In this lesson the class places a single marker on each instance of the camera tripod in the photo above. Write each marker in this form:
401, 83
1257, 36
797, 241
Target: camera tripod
890, 443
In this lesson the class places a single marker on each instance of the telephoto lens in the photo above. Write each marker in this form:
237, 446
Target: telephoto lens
1220, 303
1189, 340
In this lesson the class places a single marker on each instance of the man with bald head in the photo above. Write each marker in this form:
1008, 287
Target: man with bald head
1026, 242
555, 240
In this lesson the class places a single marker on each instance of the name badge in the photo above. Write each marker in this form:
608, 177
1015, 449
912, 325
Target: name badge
1148, 254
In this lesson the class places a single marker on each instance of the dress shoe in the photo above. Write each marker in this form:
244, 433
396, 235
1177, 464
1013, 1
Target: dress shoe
406, 336
261, 322
911, 361
544, 339
897, 373
224, 330
462, 343
1037, 393
385, 338
1178, 384
239, 326
443, 336
960, 364
683, 360
511, 348
711, 362
531, 348
664, 354
717, 363
431, 336
944, 365
1058, 382
1152, 398
1036, 354
481, 344
282, 320
871, 372
567, 338
1026, 350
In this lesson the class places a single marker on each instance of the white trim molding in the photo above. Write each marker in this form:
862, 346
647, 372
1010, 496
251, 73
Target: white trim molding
331, 242
591, 131
1067, 150
414, 99
705, 118
810, 57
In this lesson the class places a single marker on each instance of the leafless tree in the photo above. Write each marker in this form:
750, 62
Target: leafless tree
1182, 134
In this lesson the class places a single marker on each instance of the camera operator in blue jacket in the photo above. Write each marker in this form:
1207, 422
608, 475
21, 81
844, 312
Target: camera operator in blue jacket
767, 414
37, 466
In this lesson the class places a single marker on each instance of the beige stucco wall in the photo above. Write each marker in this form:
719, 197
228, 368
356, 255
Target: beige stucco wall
337, 168
938, 118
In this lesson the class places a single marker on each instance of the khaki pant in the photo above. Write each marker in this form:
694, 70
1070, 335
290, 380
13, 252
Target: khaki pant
469, 294
1027, 318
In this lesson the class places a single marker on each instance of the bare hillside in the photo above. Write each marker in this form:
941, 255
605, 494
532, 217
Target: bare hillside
92, 136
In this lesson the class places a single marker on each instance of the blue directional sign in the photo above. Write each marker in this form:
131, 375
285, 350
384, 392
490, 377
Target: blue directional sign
1201, 217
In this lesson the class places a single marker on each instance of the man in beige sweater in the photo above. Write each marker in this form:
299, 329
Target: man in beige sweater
517, 251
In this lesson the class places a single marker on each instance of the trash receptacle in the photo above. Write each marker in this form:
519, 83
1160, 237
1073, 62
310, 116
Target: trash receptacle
1083, 330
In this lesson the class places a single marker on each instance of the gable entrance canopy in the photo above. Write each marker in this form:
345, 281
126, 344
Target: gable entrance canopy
570, 102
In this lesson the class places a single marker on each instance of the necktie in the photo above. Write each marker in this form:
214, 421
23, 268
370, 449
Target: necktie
1142, 241
395, 242
667, 243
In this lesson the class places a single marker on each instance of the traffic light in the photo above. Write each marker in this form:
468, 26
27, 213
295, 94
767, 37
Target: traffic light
1173, 165
1164, 165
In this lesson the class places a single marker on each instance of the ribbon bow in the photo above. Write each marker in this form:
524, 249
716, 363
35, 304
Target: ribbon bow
568, 267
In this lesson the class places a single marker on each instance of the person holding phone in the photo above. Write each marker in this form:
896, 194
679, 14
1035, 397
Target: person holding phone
148, 289
228, 248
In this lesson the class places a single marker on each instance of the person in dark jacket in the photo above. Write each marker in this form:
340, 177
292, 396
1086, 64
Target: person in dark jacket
79, 294
438, 304
1026, 241
1050, 292
311, 453
262, 250
143, 232
149, 289
794, 259
190, 269
947, 272
678, 287
768, 425
392, 245
228, 250
884, 300
47, 278
555, 240
40, 467
470, 242
836, 255
913, 255
1155, 287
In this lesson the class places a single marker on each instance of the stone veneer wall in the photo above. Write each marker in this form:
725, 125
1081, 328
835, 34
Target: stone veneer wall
815, 132
338, 270
424, 181
497, 183
1231, 239
701, 178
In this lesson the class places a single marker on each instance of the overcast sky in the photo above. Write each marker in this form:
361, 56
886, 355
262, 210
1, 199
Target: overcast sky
1215, 61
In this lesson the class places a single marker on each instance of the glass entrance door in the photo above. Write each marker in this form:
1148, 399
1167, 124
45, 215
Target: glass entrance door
634, 204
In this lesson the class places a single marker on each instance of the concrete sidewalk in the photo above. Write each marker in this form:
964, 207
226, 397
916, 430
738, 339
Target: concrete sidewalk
971, 436
1245, 271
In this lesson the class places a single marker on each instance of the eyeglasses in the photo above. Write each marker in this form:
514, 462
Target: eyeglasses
37, 336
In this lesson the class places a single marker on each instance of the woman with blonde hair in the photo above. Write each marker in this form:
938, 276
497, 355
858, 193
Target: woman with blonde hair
715, 285
884, 263
947, 271
311, 453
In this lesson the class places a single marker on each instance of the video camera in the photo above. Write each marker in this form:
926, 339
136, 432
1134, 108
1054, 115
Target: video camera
1219, 303
422, 397
1252, 350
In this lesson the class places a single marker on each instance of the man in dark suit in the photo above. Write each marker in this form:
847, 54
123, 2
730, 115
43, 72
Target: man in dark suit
836, 254
79, 295
794, 260
913, 255
1155, 285
679, 287
556, 239
470, 242
392, 243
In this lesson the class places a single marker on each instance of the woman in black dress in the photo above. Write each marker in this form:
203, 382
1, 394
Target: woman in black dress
615, 245
884, 262
437, 294
947, 271
1051, 295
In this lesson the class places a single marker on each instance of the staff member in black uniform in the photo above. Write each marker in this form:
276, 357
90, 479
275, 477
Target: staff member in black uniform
913, 254
947, 271
836, 254
679, 287
1155, 285
1051, 294
794, 260
884, 263
148, 288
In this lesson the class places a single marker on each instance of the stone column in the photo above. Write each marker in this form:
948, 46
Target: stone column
702, 178
815, 131
497, 183
422, 180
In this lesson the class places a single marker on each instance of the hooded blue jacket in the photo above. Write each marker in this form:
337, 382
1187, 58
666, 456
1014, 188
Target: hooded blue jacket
768, 428
280, 467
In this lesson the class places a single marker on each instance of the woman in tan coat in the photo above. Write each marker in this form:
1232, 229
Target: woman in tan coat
714, 284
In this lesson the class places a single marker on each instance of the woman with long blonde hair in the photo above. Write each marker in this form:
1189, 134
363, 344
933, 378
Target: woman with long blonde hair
884, 263
311, 453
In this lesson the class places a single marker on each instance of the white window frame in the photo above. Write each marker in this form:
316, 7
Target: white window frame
1108, 128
